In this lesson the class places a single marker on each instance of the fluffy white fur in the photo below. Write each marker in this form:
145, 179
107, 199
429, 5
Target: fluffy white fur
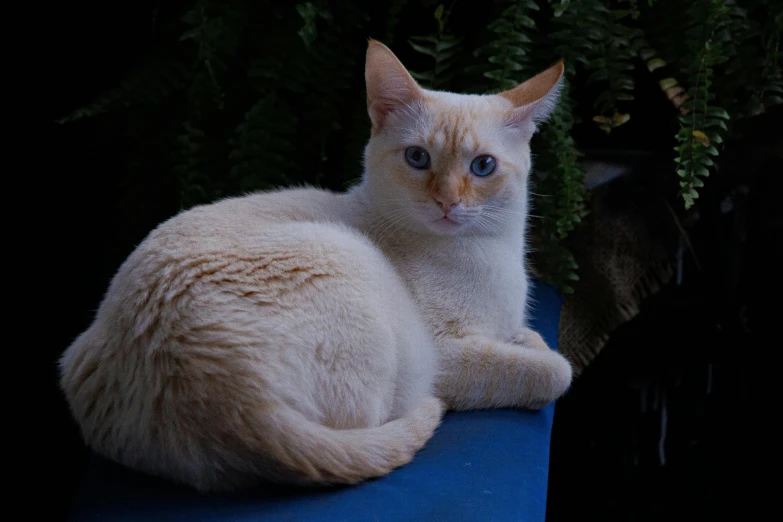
252, 338
302, 336
467, 272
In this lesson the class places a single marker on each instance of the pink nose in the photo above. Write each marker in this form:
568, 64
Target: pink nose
447, 203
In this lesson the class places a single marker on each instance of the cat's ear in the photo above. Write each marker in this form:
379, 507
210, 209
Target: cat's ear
389, 85
535, 99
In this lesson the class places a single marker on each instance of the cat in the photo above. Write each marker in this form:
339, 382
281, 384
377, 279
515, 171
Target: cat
445, 196
255, 338
309, 337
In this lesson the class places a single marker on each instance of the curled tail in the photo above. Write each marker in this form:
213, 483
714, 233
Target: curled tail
315, 454
210, 448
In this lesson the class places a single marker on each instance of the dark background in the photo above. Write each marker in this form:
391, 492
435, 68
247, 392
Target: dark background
605, 462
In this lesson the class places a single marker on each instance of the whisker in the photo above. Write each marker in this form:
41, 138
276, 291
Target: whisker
495, 220
399, 224
381, 217
485, 225
503, 210
379, 221
392, 224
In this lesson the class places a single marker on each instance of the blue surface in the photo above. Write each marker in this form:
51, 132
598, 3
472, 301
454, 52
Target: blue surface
480, 466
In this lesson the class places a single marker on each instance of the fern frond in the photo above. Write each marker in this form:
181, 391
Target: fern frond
150, 85
263, 155
702, 128
662, 72
328, 68
560, 196
507, 57
751, 80
215, 28
604, 39
194, 183
441, 47
393, 19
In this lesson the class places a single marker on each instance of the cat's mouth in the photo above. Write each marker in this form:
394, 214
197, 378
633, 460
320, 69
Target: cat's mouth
447, 221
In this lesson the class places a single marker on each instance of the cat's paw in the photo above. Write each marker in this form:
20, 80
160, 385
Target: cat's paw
549, 382
426, 418
530, 339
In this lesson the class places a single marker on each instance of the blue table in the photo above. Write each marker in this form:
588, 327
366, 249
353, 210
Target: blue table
480, 466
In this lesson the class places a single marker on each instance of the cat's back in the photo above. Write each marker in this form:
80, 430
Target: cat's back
226, 227
233, 218
206, 242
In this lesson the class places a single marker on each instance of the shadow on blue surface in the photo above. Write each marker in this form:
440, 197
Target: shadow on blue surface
480, 466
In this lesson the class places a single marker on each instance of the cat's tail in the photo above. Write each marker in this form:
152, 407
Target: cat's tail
315, 454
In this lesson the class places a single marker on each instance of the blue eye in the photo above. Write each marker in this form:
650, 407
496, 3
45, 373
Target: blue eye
483, 166
417, 157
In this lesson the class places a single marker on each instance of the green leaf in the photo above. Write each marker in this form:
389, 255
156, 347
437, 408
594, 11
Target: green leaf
646, 54
439, 12
428, 38
716, 123
423, 50
446, 44
424, 76
717, 112
667, 83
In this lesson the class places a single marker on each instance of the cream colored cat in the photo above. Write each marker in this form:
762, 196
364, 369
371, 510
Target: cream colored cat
266, 337
445, 196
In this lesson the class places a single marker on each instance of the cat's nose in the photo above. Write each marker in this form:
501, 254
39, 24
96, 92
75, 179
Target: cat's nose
447, 203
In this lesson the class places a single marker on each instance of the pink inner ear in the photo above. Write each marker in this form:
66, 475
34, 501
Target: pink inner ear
521, 114
396, 95
521, 120
389, 86
379, 110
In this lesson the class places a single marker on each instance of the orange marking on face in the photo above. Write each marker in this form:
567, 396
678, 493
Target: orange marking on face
460, 134
510, 169
475, 139
488, 187
444, 188
453, 141
430, 140
453, 135
467, 190
402, 175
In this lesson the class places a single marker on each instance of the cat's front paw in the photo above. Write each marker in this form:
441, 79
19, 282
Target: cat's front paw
550, 380
530, 339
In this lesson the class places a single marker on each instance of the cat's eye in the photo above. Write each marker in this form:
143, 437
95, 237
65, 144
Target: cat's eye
417, 157
483, 165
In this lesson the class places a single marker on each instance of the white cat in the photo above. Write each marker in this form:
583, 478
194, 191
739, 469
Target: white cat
445, 195
265, 337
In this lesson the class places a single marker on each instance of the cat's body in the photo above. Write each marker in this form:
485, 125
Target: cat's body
247, 339
300, 335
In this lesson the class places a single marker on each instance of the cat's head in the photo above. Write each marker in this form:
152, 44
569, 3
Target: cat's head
449, 163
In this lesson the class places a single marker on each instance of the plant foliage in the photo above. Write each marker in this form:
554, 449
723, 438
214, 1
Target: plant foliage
251, 94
